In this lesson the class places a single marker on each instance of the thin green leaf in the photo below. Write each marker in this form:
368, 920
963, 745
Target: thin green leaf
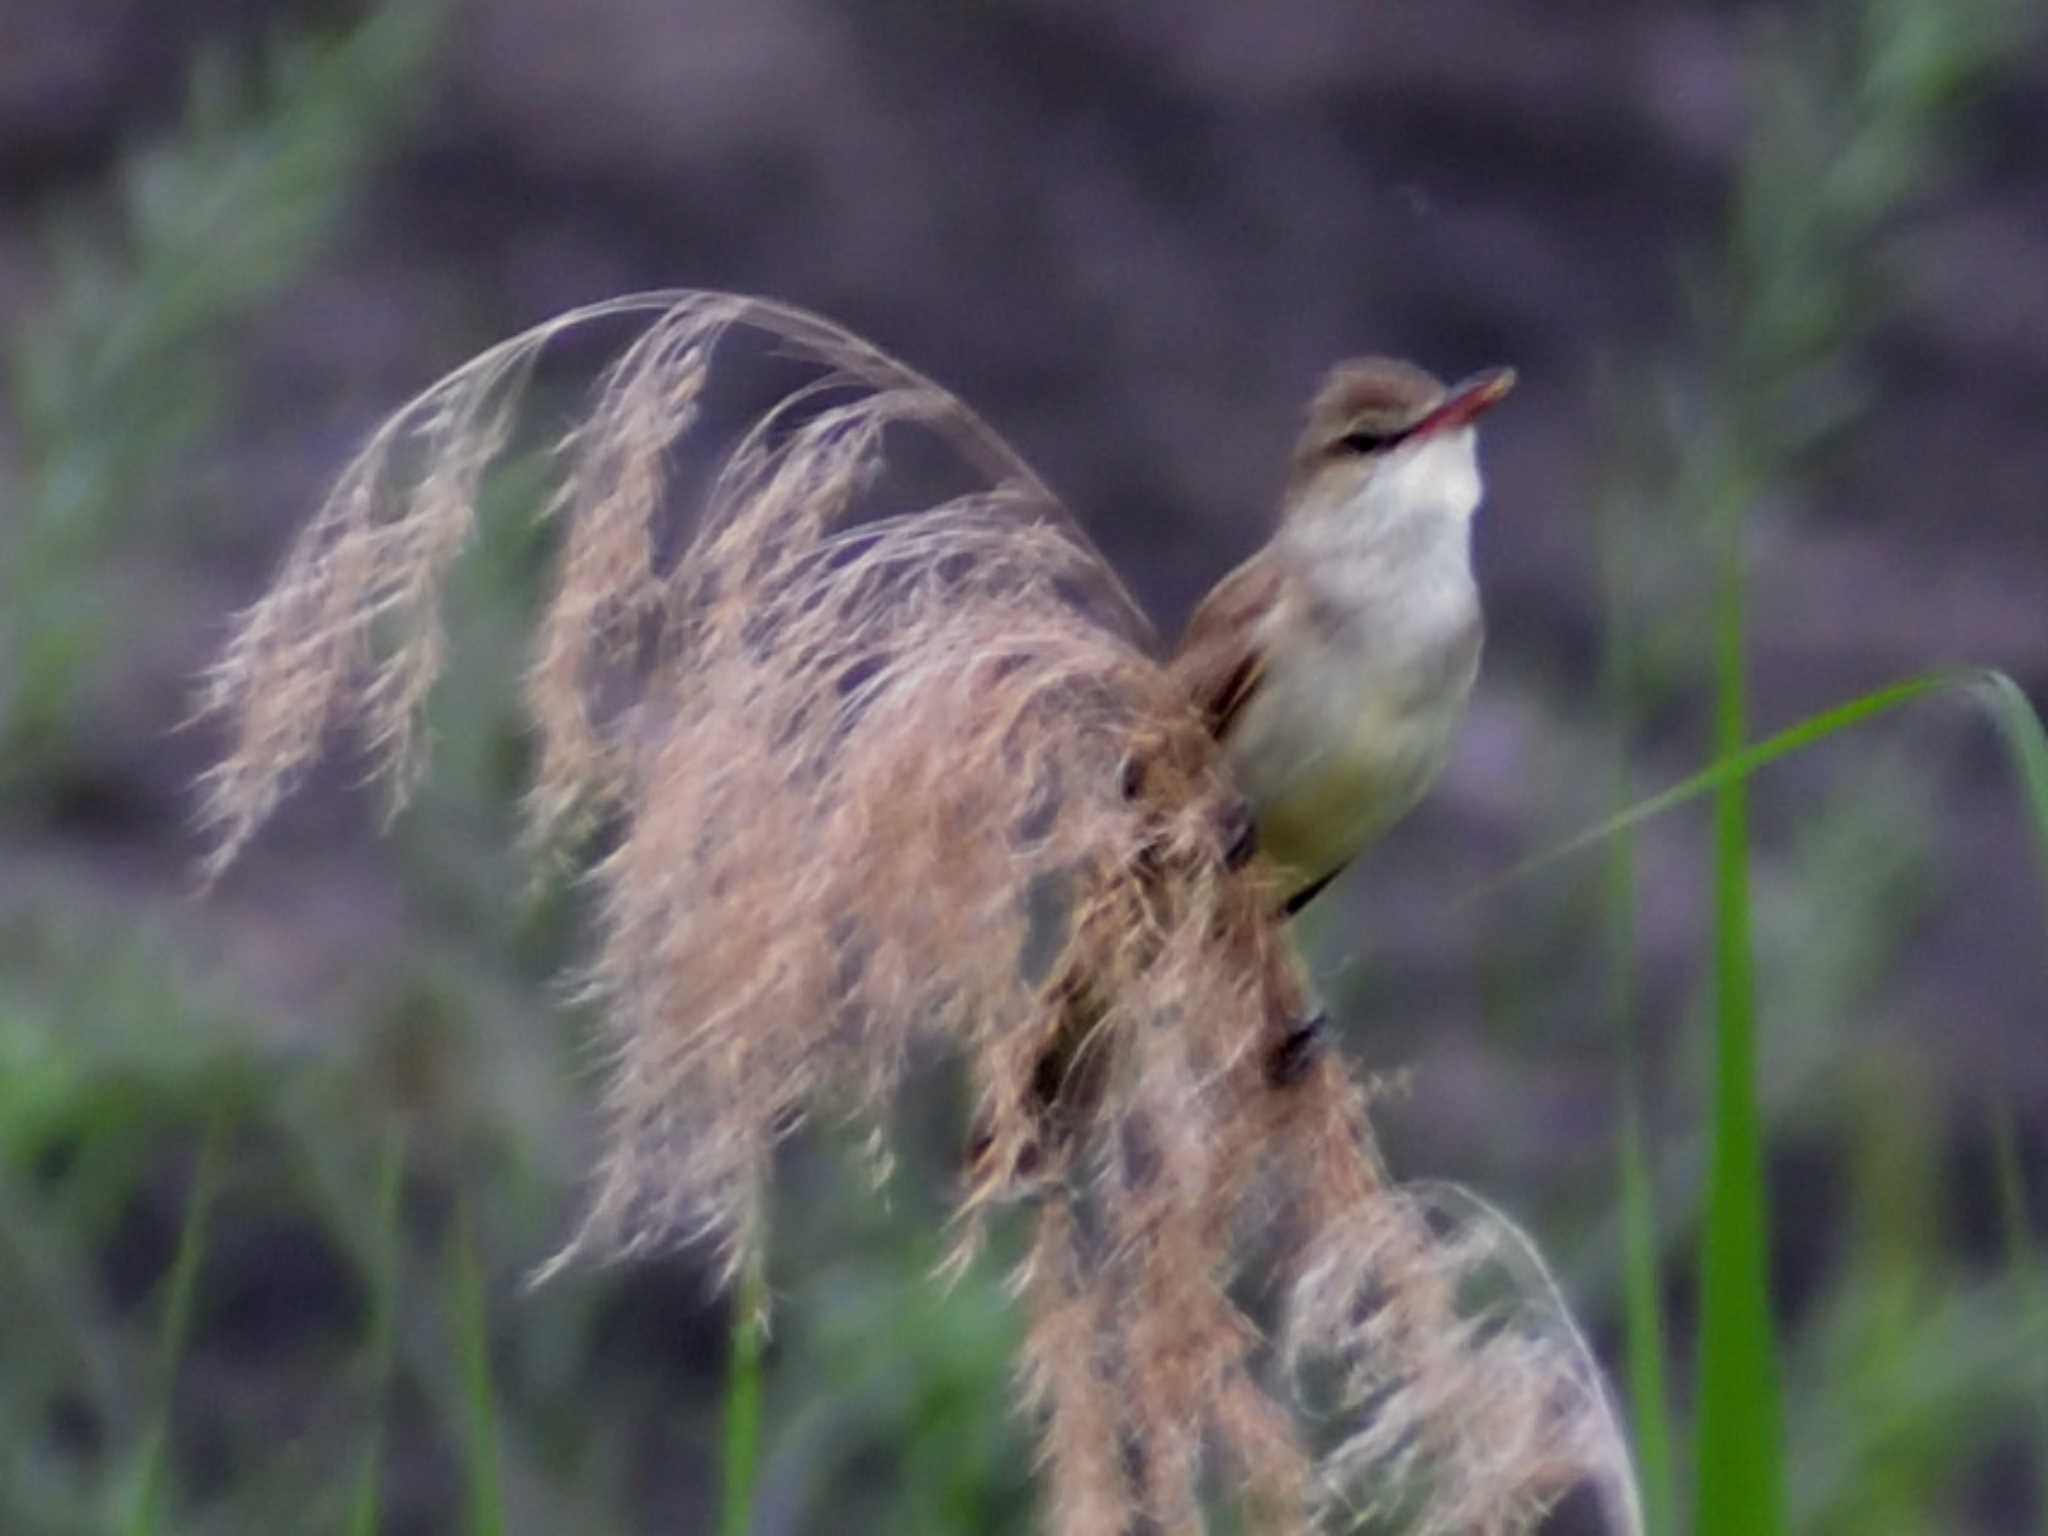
2021, 726
1892, 1281
1643, 1312
1644, 1320
1735, 767
2017, 721
1740, 1451
390, 1184
742, 1449
2000, 696
481, 1463
145, 1514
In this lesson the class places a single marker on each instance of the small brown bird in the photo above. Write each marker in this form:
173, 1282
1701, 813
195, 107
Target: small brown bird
1335, 663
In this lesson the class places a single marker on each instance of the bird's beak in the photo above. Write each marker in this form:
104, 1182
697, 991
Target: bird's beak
1467, 401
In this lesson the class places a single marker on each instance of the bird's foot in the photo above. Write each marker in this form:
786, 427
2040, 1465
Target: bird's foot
1297, 1050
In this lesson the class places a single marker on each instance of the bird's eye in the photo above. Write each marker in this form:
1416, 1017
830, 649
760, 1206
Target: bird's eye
1363, 441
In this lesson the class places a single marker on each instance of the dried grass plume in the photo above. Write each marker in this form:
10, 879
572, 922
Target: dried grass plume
872, 780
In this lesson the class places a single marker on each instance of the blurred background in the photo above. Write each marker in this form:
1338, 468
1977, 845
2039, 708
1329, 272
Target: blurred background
274, 1165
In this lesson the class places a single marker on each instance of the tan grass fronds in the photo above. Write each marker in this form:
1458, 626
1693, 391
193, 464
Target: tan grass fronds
873, 782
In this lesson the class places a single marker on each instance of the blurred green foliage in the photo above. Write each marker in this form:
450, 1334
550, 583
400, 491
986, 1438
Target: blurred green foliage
255, 1283
1852, 111
121, 373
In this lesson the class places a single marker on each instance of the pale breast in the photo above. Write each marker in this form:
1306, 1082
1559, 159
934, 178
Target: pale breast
1350, 727
1369, 635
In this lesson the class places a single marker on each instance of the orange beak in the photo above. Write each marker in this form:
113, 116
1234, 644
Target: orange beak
1467, 401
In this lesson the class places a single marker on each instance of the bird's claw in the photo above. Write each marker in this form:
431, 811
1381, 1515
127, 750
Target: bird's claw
1240, 835
1297, 1051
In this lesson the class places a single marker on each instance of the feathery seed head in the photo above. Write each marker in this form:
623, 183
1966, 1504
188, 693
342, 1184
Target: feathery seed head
917, 777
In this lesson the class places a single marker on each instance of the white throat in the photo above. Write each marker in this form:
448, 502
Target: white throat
1438, 478
1414, 506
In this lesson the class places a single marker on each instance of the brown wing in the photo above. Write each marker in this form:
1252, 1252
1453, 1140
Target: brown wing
1218, 662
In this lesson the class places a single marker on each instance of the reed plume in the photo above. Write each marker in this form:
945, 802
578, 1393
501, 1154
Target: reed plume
868, 781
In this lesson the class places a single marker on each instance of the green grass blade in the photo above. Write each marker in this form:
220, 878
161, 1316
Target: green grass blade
1740, 1451
2021, 726
390, 1185
2017, 720
145, 1514
1644, 1321
40, 1261
2033, 1278
1644, 1331
742, 1449
1745, 1419
1733, 767
1893, 1280
481, 1461
1999, 695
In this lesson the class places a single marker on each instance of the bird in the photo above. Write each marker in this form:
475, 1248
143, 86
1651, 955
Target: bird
1334, 665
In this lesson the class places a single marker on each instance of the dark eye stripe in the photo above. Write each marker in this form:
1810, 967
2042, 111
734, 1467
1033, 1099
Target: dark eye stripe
1369, 442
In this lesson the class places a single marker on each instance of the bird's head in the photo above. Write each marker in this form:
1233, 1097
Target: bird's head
1386, 444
